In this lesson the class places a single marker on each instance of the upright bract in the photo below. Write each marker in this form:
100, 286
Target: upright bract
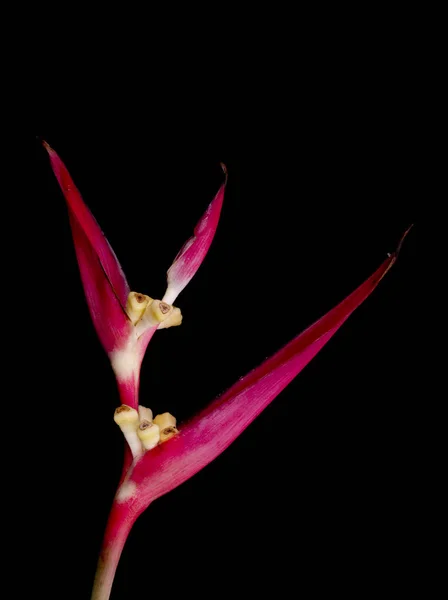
194, 250
111, 303
103, 279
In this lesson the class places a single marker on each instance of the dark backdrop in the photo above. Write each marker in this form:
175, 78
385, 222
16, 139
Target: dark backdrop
318, 489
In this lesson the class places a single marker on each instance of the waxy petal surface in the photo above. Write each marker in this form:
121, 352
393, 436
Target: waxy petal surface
193, 252
207, 435
111, 323
103, 279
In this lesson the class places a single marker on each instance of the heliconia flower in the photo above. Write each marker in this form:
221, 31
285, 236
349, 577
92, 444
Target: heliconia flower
198, 442
126, 321
162, 455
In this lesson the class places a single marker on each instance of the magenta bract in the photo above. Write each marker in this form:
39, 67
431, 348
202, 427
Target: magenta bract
105, 284
158, 471
216, 427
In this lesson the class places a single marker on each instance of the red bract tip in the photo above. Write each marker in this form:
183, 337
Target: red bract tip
208, 434
193, 252
105, 284
103, 279
403, 238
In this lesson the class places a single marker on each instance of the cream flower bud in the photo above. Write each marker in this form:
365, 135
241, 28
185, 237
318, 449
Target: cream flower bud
127, 420
167, 433
149, 434
126, 417
159, 310
144, 413
136, 305
167, 426
175, 318
158, 314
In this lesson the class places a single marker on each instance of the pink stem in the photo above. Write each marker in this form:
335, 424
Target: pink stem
121, 519
128, 389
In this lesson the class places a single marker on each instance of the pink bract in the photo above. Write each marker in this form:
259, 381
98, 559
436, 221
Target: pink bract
217, 426
105, 284
195, 249
103, 279
207, 435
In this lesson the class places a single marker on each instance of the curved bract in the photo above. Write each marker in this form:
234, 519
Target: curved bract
164, 458
210, 432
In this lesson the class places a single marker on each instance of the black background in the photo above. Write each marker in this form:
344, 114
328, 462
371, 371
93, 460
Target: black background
320, 486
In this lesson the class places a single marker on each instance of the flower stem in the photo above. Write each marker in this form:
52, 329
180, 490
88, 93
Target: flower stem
121, 519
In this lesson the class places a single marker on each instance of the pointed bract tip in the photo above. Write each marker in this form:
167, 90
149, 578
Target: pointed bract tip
47, 147
224, 170
393, 257
400, 243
